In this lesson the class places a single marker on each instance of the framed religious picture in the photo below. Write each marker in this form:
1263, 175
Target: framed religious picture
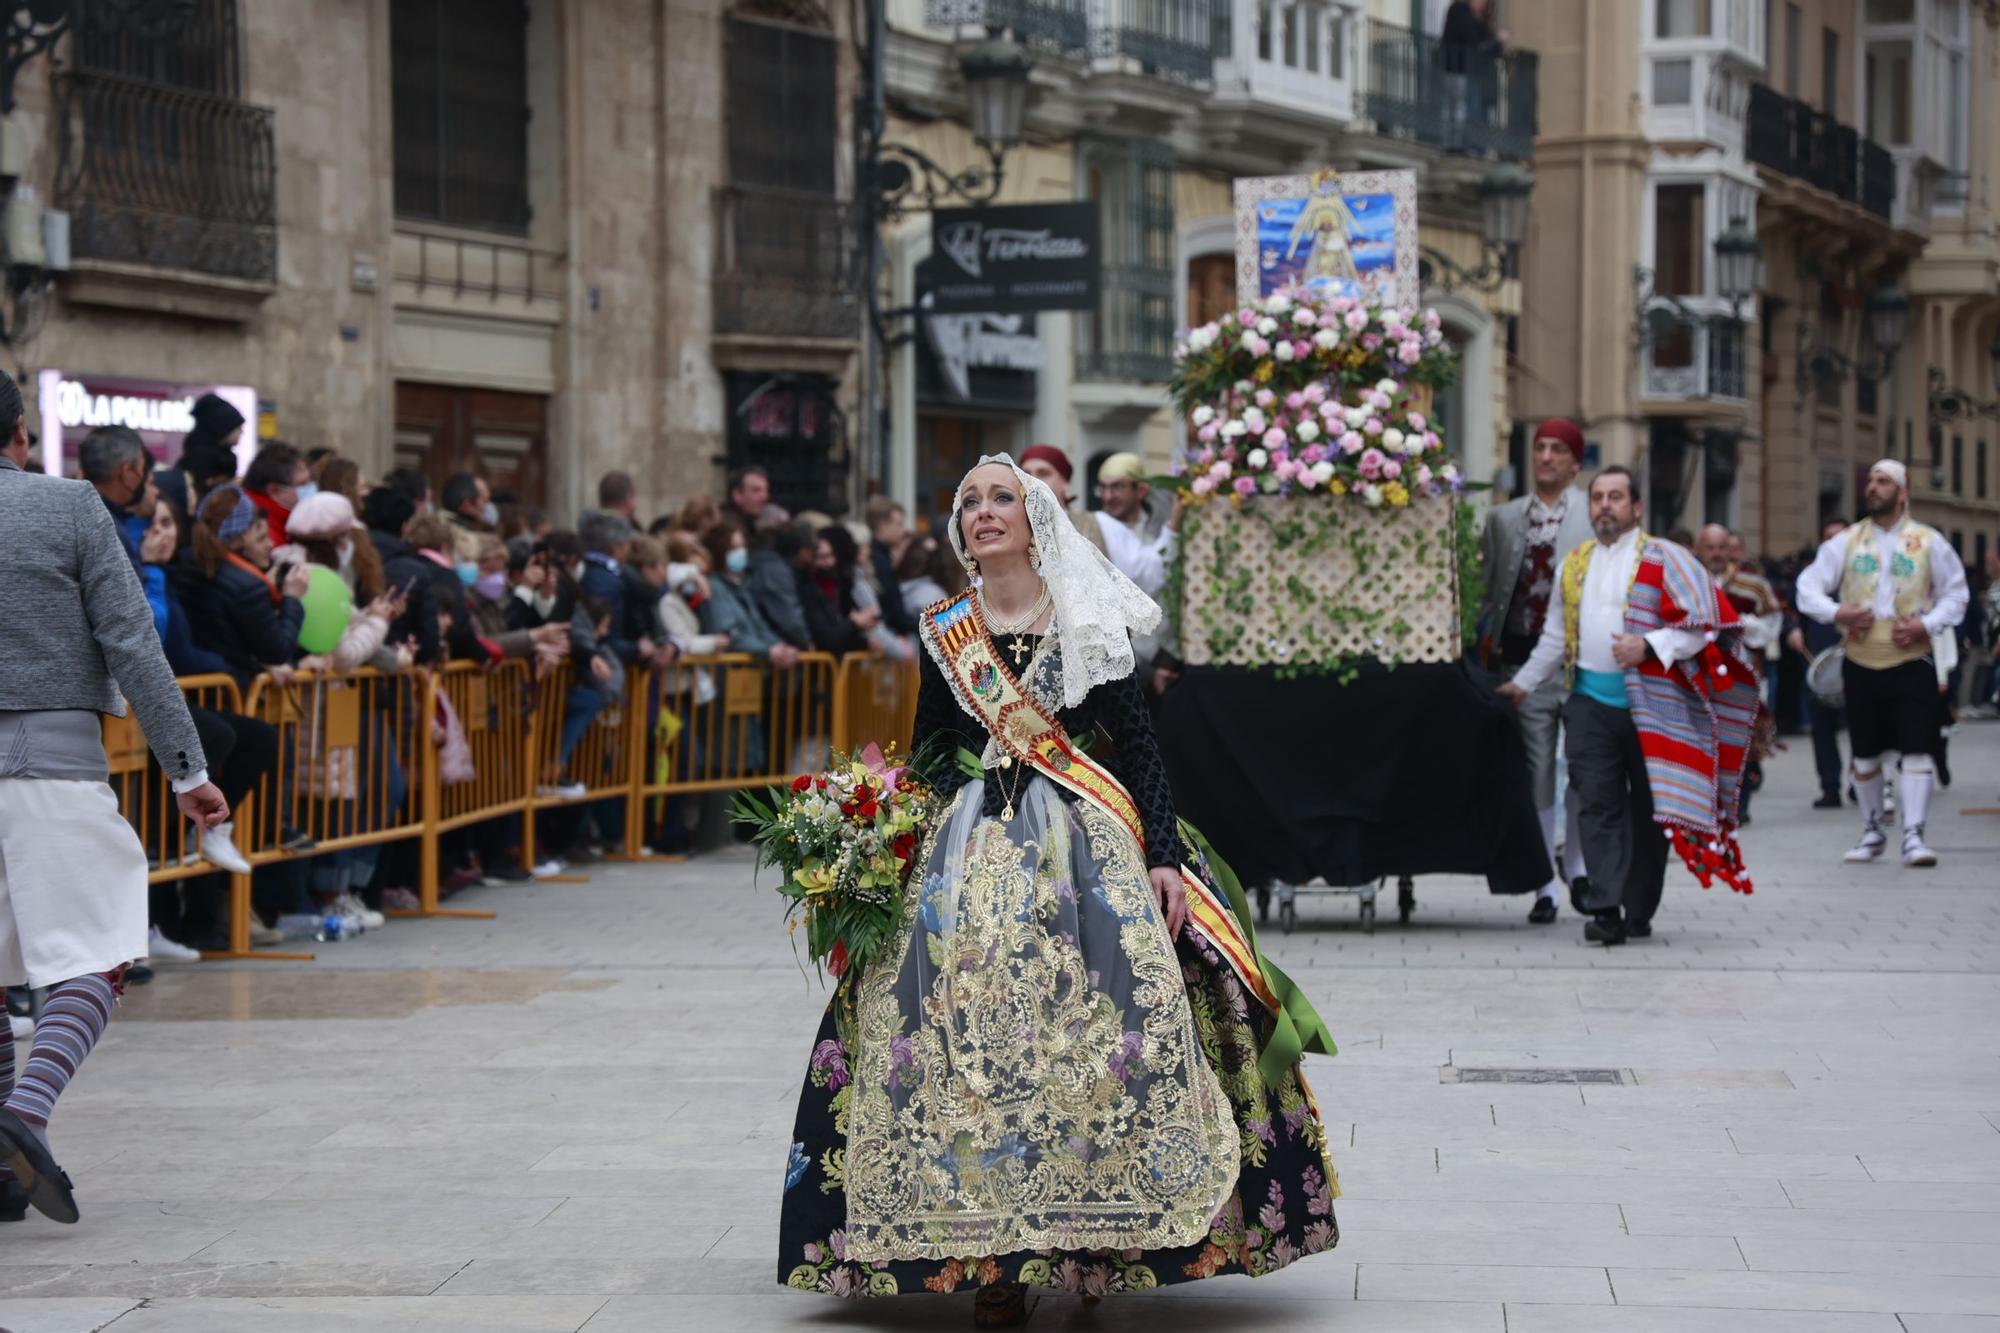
1351, 235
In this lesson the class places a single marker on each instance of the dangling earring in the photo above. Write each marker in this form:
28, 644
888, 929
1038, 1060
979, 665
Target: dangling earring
1035, 557
971, 570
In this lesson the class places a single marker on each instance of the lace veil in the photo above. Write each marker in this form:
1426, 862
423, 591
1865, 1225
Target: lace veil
1097, 608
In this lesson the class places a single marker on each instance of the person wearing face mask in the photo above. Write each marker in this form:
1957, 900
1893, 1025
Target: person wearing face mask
468, 504
432, 537
115, 461
386, 512
276, 481
240, 607
731, 609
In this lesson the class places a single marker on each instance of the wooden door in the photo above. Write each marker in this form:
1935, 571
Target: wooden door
500, 436
1211, 288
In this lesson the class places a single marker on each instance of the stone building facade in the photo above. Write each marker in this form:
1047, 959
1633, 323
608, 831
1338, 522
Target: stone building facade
510, 238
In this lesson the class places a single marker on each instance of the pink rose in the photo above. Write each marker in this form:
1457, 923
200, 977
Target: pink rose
1392, 469
1416, 421
1202, 485
1371, 463
1220, 471
1265, 398
1357, 319
1286, 469
1274, 438
1351, 442
1258, 347
1315, 392
1206, 457
1312, 454
1371, 342
1305, 478
1207, 433
1246, 317
1246, 486
1423, 475
1431, 440
1373, 426
1295, 400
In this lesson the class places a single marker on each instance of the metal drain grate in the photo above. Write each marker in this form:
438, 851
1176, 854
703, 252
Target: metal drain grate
1536, 1074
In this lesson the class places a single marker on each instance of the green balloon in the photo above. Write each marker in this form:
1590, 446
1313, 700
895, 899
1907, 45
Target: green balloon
329, 606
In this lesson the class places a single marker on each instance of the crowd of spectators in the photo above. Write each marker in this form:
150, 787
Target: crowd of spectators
234, 566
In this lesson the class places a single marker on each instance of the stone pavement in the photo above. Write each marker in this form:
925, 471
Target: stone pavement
577, 1116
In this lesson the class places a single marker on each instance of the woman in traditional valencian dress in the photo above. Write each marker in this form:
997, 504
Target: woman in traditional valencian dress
1070, 1068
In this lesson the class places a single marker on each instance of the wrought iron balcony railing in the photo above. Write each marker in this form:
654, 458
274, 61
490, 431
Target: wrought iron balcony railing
1458, 99
785, 264
1791, 137
1173, 39
1058, 27
167, 177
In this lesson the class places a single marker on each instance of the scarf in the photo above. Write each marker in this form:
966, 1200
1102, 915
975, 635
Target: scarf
1696, 719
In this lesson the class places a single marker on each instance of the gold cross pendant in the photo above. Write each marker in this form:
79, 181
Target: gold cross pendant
1019, 648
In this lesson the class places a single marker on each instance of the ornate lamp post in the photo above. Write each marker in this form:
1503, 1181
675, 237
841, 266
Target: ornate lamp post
1503, 212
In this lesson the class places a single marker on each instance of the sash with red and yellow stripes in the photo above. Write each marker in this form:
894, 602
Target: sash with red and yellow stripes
956, 632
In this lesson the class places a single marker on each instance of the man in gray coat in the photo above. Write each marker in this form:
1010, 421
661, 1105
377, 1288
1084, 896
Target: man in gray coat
1522, 549
80, 641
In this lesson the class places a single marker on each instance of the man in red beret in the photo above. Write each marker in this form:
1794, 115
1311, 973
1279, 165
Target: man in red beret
1522, 544
1050, 465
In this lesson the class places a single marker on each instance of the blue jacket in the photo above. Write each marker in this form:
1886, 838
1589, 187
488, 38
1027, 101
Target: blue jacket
601, 579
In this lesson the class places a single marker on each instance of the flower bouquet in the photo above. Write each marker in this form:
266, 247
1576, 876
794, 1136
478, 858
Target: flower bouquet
1302, 396
845, 839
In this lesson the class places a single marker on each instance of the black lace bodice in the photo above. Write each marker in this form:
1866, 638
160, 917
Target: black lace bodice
1111, 724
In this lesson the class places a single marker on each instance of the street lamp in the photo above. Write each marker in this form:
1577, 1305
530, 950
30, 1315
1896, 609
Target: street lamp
1503, 212
1888, 319
1739, 264
996, 86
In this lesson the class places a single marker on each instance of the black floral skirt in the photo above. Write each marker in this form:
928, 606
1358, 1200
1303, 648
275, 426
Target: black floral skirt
1280, 1210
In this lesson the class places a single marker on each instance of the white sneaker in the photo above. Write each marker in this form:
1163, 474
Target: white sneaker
20, 1027
569, 791
163, 950
548, 869
219, 847
347, 904
1873, 843
265, 937
1914, 851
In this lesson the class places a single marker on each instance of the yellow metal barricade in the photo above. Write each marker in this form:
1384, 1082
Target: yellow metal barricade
480, 771
146, 796
743, 723
351, 754
875, 701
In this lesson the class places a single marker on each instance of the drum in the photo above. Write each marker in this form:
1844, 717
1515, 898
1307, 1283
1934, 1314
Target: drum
1823, 677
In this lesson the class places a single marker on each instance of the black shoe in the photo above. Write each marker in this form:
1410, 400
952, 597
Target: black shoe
1605, 929
1543, 912
48, 1189
1639, 930
1828, 800
506, 872
138, 974
13, 1202
1943, 768
1579, 889
295, 840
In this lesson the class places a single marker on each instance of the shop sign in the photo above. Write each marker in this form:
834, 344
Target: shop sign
961, 344
162, 412
1017, 258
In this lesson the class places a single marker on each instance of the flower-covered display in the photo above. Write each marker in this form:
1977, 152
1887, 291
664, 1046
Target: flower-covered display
1302, 396
844, 839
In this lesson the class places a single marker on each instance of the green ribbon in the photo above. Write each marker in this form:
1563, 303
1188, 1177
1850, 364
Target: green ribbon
1296, 1026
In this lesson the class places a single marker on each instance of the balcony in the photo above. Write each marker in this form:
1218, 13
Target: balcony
1166, 39
1129, 338
1793, 139
785, 265
1697, 361
1285, 59
1059, 28
166, 179
1484, 106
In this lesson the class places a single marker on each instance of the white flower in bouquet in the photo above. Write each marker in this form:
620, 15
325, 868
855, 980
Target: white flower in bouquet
1277, 303
1322, 472
1304, 317
1231, 429
1267, 326
1254, 420
1283, 351
1392, 439
1326, 340
1307, 430
1449, 472
1202, 415
1372, 494
1258, 460
1386, 386
1356, 415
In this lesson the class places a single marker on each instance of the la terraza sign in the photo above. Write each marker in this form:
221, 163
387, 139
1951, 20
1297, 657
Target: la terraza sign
1016, 259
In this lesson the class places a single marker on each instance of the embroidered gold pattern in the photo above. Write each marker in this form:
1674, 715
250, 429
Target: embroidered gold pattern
1003, 1099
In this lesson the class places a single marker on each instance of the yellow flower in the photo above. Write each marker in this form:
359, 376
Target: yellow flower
1264, 371
1396, 494
815, 877
1336, 487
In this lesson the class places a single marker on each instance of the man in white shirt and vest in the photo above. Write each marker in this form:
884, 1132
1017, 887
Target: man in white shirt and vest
1893, 586
1633, 619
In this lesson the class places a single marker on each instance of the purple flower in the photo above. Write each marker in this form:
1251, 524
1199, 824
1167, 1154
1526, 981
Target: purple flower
814, 1253
1246, 486
828, 1057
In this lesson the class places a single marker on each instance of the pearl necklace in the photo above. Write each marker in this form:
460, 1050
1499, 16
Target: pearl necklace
1018, 649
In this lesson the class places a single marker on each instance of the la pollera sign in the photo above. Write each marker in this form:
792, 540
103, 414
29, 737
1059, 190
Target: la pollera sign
1013, 259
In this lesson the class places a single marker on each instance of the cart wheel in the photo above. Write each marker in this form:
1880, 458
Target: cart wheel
1288, 916
1368, 917
1406, 898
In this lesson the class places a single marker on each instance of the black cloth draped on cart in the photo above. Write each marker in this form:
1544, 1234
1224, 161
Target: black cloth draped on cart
1420, 770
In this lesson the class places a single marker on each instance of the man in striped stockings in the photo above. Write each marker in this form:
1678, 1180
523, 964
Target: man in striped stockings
79, 642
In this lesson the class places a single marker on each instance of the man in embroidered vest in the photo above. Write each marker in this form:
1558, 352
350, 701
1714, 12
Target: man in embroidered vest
1661, 709
1899, 586
1523, 543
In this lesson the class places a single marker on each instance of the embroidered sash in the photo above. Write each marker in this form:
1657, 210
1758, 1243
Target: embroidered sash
956, 635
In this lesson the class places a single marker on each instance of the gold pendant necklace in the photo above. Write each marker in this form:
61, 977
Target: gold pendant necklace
1018, 648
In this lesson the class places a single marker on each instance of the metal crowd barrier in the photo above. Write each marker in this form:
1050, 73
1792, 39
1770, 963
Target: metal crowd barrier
360, 764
